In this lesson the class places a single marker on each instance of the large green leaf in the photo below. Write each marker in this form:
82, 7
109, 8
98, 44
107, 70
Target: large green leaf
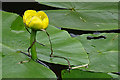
113, 75
103, 53
11, 42
63, 44
84, 16
83, 74
82, 5
18, 26
26, 70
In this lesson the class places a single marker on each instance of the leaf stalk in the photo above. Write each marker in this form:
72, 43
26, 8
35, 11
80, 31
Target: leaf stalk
33, 48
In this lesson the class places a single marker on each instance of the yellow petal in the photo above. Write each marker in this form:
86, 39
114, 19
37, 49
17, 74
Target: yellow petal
28, 20
41, 15
36, 20
44, 18
36, 23
45, 22
28, 13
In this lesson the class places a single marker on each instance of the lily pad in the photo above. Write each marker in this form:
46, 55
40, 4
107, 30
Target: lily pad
84, 16
63, 44
10, 59
11, 68
83, 75
103, 53
113, 75
82, 5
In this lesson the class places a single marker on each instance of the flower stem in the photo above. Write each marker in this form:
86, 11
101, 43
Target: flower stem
33, 48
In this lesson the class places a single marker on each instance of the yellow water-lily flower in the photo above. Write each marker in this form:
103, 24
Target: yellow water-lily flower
35, 20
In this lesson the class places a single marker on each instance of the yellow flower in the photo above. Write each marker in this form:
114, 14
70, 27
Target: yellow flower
35, 20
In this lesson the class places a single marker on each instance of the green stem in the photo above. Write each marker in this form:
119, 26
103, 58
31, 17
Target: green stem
33, 48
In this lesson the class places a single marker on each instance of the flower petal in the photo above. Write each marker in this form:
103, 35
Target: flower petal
36, 23
28, 13
45, 22
41, 15
36, 20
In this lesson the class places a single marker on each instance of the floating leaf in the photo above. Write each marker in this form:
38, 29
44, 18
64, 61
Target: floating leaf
113, 75
11, 68
12, 40
84, 16
63, 44
83, 74
103, 53
19, 25
82, 5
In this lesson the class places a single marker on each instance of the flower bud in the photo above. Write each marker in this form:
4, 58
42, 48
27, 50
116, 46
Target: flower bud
35, 20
